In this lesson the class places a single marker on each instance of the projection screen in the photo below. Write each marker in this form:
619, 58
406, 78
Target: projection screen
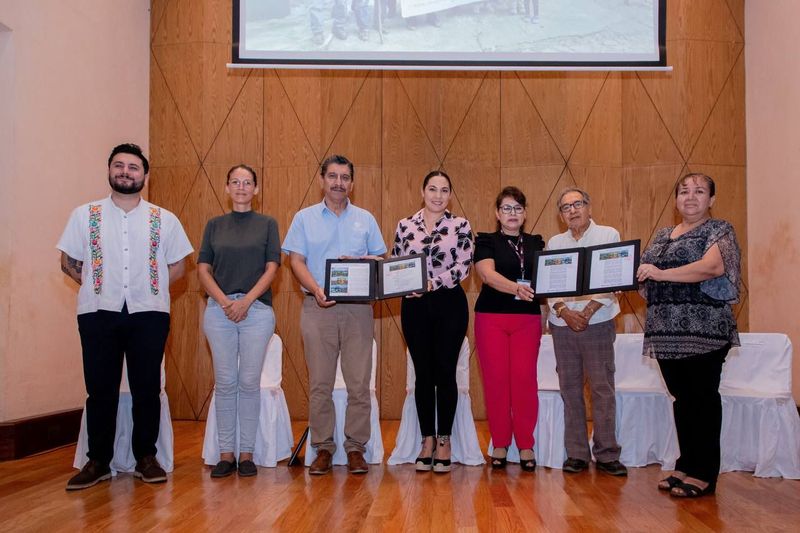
450, 34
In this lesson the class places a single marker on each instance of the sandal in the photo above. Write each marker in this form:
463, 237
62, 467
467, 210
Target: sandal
527, 465
690, 490
500, 462
669, 482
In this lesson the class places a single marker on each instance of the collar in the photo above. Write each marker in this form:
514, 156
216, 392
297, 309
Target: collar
419, 220
585, 233
324, 207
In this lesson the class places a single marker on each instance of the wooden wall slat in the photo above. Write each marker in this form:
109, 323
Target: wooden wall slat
645, 138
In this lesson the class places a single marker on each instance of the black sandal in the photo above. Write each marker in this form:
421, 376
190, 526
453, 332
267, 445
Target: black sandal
672, 481
690, 490
527, 465
500, 462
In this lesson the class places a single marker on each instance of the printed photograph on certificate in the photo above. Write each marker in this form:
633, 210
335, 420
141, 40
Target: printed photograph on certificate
350, 280
611, 267
400, 276
559, 272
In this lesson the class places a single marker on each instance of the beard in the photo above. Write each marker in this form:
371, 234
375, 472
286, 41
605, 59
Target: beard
126, 187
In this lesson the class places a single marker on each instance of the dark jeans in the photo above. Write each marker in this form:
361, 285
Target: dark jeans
694, 382
434, 326
107, 337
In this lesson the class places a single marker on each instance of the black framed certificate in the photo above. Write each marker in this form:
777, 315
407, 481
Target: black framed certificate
558, 272
358, 280
400, 276
350, 280
611, 267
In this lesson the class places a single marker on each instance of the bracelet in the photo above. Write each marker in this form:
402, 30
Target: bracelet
560, 309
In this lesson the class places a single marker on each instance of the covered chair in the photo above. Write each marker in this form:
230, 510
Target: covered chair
374, 447
274, 435
464, 440
123, 460
760, 424
645, 423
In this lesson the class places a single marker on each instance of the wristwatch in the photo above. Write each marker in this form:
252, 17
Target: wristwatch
560, 309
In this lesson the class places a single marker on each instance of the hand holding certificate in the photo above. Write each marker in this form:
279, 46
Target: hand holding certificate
578, 271
370, 279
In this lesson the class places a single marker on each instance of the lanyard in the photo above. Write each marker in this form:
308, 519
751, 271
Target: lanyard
519, 249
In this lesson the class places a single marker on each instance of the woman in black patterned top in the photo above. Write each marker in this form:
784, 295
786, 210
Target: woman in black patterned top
691, 273
434, 323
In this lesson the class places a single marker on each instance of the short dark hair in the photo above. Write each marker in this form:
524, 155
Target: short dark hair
133, 149
337, 160
712, 188
568, 190
243, 167
433, 174
512, 192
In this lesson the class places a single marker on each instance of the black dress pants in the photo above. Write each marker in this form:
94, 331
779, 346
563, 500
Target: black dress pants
107, 337
694, 382
434, 326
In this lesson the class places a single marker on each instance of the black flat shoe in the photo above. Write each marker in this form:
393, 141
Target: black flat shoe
690, 490
224, 469
247, 468
424, 464
441, 466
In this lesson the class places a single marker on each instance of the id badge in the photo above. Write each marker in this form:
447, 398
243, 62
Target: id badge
525, 282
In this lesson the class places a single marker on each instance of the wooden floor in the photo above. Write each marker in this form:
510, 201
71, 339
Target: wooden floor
390, 498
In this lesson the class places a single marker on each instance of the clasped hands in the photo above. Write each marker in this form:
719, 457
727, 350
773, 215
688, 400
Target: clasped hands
236, 310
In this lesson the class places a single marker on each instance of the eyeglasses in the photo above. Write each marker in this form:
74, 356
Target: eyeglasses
235, 183
508, 209
333, 176
577, 205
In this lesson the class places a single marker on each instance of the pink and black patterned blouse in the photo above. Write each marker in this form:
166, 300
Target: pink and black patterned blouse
448, 247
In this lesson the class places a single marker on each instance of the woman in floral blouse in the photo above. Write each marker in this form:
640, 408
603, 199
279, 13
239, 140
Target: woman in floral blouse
691, 273
435, 322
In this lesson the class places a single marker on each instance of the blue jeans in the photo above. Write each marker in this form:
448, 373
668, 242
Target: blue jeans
238, 350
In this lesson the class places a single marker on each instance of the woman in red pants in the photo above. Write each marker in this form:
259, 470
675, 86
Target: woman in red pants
508, 329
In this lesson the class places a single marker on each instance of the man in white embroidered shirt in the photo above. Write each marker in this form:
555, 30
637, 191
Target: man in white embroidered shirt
124, 252
583, 340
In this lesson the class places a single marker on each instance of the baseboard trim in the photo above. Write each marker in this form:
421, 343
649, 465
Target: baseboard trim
28, 436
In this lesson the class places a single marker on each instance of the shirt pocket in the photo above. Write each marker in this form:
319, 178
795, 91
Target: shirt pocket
356, 242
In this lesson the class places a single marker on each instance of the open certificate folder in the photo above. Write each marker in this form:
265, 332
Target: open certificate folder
352, 280
595, 269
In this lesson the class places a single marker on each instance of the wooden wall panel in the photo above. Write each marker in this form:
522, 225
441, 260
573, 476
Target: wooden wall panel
626, 138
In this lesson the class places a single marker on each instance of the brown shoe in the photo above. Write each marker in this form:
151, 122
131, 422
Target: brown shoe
322, 464
149, 471
356, 463
91, 474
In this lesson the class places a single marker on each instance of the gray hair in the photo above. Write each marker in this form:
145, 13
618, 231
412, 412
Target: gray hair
568, 190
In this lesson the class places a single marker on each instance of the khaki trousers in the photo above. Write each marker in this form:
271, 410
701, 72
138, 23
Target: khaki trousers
345, 328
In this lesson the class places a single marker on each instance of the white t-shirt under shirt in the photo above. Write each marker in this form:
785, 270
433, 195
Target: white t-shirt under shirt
131, 253
594, 235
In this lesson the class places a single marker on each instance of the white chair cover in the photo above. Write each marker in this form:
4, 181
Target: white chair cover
274, 438
645, 424
373, 453
548, 435
760, 424
123, 460
465, 448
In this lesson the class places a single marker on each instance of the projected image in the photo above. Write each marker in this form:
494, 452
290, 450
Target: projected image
544, 30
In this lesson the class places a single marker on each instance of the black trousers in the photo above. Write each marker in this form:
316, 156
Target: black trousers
434, 326
107, 337
694, 382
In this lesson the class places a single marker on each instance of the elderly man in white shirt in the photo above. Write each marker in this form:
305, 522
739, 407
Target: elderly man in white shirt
124, 253
583, 339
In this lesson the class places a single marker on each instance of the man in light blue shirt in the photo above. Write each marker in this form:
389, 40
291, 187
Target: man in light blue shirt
331, 229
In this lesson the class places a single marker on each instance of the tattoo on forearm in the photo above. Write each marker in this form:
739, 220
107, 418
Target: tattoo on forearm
75, 265
72, 267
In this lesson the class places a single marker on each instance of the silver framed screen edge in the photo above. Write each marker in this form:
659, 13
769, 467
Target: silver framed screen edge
454, 67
